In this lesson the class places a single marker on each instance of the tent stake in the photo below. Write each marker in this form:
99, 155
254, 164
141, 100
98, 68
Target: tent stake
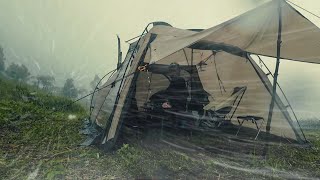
275, 79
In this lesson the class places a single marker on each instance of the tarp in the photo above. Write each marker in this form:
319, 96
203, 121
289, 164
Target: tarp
255, 32
215, 63
214, 70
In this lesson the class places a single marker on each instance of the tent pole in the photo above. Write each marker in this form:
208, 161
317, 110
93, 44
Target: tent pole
191, 74
275, 79
119, 53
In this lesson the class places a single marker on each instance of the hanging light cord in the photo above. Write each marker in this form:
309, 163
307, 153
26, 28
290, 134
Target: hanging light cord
218, 76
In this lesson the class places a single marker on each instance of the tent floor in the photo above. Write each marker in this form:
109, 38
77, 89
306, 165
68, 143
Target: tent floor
186, 124
222, 141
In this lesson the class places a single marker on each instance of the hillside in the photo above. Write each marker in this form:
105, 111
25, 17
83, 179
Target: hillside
39, 140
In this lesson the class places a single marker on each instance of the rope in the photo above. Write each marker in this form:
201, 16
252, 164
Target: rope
294, 114
304, 9
102, 102
97, 90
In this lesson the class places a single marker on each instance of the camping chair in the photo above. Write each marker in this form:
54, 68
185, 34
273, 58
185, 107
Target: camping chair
216, 112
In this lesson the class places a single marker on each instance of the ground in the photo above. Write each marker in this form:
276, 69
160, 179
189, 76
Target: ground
40, 140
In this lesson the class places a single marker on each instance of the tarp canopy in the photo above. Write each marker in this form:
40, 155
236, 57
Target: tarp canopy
214, 64
255, 32
210, 75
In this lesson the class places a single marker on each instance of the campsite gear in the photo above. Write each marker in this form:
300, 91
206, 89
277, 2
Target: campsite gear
142, 68
212, 63
254, 120
166, 105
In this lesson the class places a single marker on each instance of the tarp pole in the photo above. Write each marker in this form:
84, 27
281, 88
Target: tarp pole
191, 80
119, 53
275, 79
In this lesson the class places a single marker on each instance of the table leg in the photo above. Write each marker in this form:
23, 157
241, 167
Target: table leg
240, 127
259, 129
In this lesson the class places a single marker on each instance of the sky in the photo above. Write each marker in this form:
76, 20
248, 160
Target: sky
72, 38
77, 39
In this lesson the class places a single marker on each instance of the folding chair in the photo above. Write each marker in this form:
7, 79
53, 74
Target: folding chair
216, 112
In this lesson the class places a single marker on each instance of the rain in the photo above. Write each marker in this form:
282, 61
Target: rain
60, 120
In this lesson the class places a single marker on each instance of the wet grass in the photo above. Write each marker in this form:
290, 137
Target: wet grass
181, 156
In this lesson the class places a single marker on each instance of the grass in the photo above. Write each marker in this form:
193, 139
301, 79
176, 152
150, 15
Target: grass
32, 132
303, 160
38, 140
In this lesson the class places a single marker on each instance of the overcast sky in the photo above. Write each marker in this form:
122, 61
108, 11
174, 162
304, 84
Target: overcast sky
77, 38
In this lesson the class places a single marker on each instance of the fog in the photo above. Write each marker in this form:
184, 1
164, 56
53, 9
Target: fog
77, 39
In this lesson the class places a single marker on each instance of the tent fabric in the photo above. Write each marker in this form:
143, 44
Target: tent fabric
170, 31
282, 107
105, 98
213, 63
114, 126
234, 71
256, 32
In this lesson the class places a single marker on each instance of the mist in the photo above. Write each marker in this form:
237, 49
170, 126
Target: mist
77, 39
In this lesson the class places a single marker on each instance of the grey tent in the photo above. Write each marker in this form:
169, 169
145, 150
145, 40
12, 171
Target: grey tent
213, 63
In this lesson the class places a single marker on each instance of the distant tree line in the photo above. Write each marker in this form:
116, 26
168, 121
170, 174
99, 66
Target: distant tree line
20, 72
14, 71
2, 59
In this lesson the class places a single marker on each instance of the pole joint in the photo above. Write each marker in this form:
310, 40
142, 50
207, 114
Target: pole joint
279, 42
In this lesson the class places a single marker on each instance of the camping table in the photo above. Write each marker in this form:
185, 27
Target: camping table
253, 119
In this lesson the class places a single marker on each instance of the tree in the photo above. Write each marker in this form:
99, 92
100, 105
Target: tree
2, 59
94, 82
45, 82
69, 89
18, 72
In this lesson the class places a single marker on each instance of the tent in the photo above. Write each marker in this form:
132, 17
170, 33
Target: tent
218, 71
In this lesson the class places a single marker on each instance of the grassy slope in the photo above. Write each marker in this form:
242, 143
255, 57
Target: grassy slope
36, 143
